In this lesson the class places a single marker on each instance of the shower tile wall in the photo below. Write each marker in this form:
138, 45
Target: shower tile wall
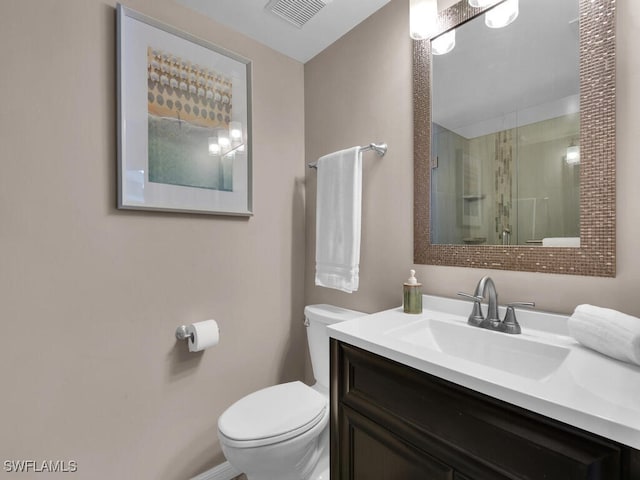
503, 185
515, 179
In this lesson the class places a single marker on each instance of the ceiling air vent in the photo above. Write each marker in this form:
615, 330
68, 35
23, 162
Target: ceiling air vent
296, 12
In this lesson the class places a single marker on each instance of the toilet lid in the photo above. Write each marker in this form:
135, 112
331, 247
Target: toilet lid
287, 409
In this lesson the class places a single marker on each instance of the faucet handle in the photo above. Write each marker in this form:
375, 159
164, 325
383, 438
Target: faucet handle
476, 317
475, 298
510, 323
521, 304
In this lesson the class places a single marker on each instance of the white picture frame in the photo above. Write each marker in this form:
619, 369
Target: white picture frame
184, 121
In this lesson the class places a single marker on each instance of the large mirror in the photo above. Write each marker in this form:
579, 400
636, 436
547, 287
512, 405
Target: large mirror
505, 129
515, 138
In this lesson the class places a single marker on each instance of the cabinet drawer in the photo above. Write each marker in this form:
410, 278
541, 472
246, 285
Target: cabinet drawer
478, 436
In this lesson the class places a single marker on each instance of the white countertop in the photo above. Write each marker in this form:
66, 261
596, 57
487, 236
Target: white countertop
588, 390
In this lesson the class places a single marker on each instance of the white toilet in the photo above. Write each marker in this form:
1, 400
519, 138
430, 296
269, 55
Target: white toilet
282, 432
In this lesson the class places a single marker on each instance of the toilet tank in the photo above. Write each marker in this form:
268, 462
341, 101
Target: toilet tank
317, 318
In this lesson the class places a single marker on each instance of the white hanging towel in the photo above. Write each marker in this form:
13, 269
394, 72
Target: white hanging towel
338, 219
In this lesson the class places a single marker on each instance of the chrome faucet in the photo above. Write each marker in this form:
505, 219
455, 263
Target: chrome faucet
492, 320
476, 318
506, 236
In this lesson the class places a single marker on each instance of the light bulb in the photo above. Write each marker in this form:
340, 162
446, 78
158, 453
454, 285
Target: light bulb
444, 43
573, 155
502, 15
423, 18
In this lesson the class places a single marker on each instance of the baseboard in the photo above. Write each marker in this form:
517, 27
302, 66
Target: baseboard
224, 471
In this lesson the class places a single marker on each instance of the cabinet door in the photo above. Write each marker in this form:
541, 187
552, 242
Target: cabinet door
374, 453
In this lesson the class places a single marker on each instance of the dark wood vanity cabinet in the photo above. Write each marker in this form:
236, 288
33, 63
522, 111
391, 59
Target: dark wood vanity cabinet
392, 422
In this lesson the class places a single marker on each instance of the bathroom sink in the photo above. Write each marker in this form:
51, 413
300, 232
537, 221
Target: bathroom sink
543, 370
515, 354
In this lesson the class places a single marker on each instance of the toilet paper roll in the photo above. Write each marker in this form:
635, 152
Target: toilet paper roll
203, 335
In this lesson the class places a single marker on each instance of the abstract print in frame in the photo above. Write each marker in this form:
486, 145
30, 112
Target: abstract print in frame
184, 140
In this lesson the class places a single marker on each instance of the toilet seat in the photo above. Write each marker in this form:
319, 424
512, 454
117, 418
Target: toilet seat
271, 415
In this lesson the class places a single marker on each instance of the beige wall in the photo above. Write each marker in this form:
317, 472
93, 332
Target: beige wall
90, 296
359, 90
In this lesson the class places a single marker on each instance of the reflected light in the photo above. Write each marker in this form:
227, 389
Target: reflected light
235, 130
444, 43
573, 155
502, 15
482, 3
214, 148
224, 142
223, 139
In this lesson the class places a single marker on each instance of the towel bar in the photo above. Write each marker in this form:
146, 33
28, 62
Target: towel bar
379, 148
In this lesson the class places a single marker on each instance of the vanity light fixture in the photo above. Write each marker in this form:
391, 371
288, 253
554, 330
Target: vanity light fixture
423, 18
225, 142
502, 15
573, 154
444, 43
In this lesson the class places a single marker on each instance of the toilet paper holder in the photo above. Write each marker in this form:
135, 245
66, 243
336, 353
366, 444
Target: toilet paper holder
183, 334
199, 335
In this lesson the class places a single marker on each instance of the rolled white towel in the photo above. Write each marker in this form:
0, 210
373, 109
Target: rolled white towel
607, 331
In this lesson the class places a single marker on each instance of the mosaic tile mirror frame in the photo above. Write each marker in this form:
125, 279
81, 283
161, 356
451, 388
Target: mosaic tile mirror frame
596, 255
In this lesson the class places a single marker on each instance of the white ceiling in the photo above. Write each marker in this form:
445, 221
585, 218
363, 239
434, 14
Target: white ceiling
252, 19
550, 91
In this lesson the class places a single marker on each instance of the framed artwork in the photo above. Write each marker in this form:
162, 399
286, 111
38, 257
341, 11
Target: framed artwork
184, 121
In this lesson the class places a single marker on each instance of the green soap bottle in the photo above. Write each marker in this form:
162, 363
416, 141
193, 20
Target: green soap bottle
412, 295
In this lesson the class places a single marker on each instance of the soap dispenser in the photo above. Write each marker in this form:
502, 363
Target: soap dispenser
412, 294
